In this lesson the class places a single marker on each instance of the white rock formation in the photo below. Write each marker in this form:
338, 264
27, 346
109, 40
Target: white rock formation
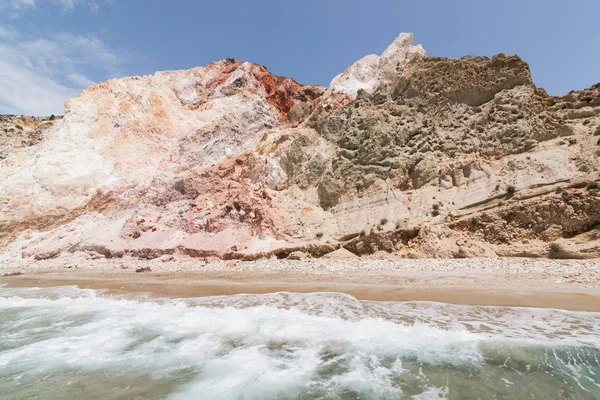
370, 72
119, 134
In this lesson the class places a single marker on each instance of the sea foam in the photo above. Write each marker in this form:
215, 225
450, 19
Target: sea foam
288, 346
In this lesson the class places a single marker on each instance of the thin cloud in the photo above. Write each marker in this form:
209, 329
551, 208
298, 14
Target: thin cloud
38, 74
15, 8
17, 4
69, 5
80, 80
66, 6
8, 33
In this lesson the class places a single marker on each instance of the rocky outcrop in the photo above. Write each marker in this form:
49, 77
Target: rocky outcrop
470, 80
378, 74
403, 154
18, 131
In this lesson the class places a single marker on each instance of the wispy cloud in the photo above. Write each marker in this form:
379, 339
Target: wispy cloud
15, 8
65, 5
69, 5
38, 74
8, 33
17, 4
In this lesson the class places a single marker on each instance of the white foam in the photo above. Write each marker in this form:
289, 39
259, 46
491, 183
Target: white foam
267, 345
433, 393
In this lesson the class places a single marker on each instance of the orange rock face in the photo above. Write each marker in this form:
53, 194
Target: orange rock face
224, 72
282, 93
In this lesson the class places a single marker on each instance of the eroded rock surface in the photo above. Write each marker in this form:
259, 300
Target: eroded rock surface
17, 131
403, 155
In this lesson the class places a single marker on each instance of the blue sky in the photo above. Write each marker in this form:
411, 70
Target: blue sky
52, 49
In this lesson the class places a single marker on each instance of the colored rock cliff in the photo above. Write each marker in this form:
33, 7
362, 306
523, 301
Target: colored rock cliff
403, 155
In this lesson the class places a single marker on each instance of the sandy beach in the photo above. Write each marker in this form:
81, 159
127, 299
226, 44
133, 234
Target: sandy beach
563, 284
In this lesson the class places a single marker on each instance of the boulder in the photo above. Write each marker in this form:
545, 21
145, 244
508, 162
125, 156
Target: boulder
340, 254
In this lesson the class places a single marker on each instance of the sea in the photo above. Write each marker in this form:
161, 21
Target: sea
71, 343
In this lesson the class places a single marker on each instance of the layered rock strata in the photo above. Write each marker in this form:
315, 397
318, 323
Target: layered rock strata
403, 155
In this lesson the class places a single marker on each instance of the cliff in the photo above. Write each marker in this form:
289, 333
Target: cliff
403, 155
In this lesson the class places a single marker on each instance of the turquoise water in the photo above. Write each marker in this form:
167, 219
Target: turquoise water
69, 343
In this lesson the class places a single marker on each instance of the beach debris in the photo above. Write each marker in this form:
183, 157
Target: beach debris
146, 269
340, 254
47, 254
13, 274
297, 255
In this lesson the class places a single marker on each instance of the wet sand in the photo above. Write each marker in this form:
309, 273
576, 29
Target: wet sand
450, 287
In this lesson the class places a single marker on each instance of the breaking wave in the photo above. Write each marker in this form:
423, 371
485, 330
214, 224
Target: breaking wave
71, 343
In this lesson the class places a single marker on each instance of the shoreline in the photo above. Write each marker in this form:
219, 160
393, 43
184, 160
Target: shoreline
169, 288
561, 284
